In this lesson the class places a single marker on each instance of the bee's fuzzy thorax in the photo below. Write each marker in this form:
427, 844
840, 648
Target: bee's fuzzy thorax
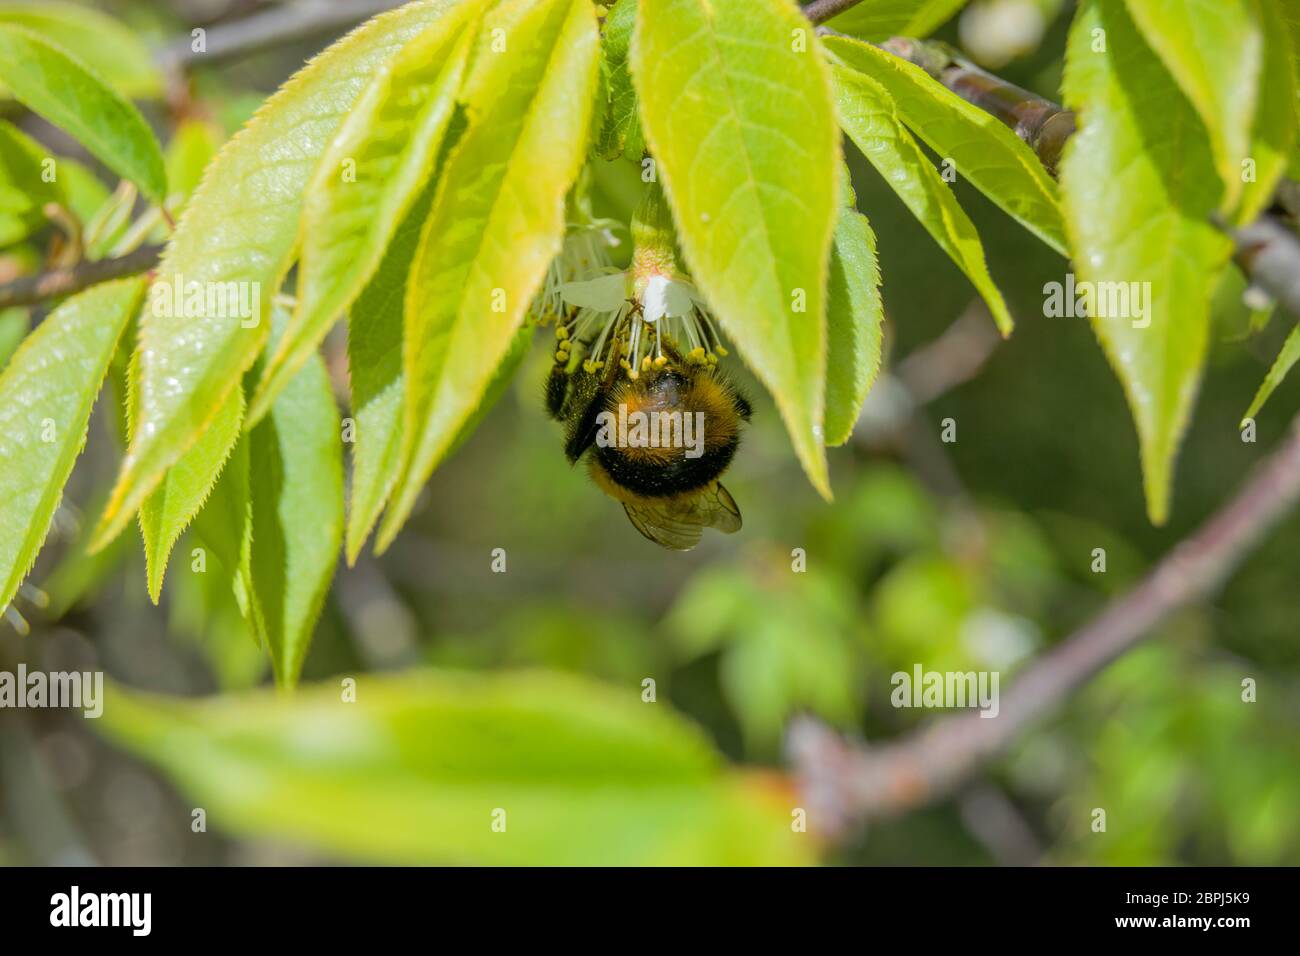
669, 391
697, 398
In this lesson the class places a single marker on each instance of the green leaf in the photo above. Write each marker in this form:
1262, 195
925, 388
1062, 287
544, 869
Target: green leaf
869, 116
109, 223
104, 45
85, 194
31, 176
1290, 14
854, 323
1214, 49
737, 111
420, 767
241, 227
497, 222
375, 362
25, 186
881, 19
984, 150
1289, 355
375, 167
14, 229
171, 506
621, 135
192, 147
50, 82
1277, 116
15, 323
206, 620
224, 527
1138, 189
782, 648
295, 473
46, 393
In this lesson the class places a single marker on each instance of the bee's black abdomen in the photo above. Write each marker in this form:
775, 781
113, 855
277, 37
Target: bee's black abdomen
663, 472
659, 479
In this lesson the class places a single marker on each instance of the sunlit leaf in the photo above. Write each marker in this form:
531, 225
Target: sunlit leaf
869, 116
295, 476
983, 149
83, 191
192, 147
110, 50
881, 19
25, 165
170, 507
1138, 189
46, 393
1290, 14
1214, 49
621, 135
31, 177
375, 363
224, 527
1277, 116
372, 171
16, 228
854, 323
241, 228
108, 224
1277, 373
421, 766
737, 111
50, 82
15, 322
497, 222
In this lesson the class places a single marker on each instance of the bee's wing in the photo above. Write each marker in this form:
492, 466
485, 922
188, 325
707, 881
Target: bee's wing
719, 508
677, 525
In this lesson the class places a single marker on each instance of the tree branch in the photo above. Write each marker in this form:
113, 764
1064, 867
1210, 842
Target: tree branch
47, 285
275, 26
819, 11
846, 783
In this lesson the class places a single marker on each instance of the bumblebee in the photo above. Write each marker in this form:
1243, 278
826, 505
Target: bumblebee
668, 487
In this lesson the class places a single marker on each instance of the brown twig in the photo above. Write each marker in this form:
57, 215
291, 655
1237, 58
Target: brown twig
1269, 253
952, 359
275, 26
819, 11
846, 783
48, 285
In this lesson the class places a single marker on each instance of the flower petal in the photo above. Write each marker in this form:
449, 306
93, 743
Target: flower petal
605, 294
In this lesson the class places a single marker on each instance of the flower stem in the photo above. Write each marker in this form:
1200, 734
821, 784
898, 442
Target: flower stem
653, 238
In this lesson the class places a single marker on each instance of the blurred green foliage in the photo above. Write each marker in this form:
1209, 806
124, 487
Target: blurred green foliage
905, 567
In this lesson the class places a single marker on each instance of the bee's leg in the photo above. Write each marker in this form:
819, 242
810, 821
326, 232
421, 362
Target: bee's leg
557, 386
582, 406
743, 408
583, 432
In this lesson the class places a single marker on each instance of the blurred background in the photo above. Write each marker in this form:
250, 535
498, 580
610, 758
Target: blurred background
970, 555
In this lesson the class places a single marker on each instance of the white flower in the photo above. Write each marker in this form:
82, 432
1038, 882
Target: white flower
619, 313
643, 317
585, 253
